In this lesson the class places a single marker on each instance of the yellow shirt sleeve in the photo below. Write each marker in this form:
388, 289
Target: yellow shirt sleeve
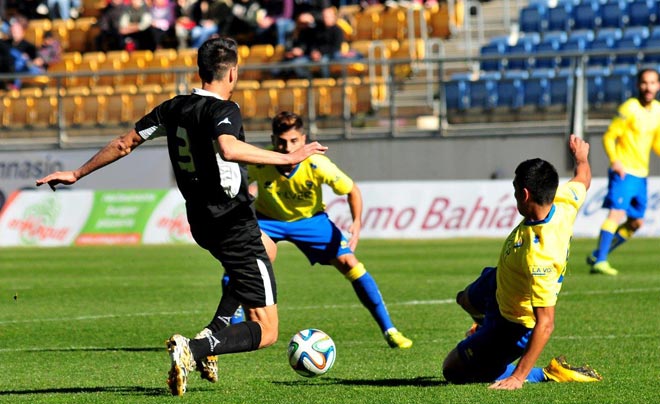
331, 175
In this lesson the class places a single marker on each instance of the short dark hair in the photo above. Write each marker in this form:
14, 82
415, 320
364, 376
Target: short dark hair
285, 121
644, 71
215, 57
540, 178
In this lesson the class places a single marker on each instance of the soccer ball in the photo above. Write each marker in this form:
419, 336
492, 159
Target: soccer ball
311, 352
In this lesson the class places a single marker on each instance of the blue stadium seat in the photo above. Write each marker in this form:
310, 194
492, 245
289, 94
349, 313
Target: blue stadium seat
551, 44
559, 17
606, 40
652, 51
634, 38
585, 15
578, 41
532, 18
496, 47
641, 13
526, 45
457, 91
613, 14
511, 89
561, 87
594, 76
483, 91
619, 85
655, 32
537, 87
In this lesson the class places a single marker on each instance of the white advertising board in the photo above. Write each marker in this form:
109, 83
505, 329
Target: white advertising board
446, 209
45, 219
396, 210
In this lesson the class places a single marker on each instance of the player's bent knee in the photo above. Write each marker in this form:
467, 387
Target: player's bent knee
452, 369
268, 337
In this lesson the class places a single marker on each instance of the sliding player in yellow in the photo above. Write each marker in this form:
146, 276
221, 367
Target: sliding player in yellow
628, 142
515, 301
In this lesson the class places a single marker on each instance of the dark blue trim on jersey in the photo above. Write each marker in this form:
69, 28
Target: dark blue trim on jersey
543, 221
291, 173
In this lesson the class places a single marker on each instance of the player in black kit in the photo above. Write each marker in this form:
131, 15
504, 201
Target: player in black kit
207, 149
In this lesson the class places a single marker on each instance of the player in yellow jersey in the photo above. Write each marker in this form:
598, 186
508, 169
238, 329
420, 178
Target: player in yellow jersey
515, 302
290, 207
628, 143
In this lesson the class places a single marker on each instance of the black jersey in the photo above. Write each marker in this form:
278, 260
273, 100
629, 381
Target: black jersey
192, 124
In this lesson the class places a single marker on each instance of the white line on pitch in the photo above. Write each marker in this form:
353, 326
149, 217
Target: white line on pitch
315, 307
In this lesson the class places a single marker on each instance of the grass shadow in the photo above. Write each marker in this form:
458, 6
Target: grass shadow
413, 382
101, 349
129, 390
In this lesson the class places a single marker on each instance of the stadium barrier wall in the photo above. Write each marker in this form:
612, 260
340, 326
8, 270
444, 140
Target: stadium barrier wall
392, 210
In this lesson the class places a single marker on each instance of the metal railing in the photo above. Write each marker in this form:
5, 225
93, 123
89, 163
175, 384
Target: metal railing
399, 105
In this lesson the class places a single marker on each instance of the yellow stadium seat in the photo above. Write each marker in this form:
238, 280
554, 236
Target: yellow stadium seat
245, 95
119, 105
294, 96
393, 24
146, 99
61, 30
267, 98
367, 26
259, 55
73, 105
35, 30
82, 34
109, 72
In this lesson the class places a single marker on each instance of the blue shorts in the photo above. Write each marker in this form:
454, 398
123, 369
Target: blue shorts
317, 237
498, 342
629, 194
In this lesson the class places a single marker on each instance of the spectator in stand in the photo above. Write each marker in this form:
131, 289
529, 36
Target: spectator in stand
109, 37
184, 22
62, 9
163, 18
49, 52
203, 15
135, 27
27, 8
310, 9
239, 19
6, 63
277, 26
319, 43
22, 51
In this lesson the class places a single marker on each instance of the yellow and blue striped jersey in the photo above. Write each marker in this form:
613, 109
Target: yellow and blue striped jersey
533, 259
298, 195
632, 134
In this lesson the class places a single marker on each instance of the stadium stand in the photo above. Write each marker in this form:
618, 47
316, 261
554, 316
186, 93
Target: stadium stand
528, 67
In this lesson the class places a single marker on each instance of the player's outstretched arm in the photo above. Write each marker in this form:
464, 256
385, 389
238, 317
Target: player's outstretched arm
580, 152
355, 204
113, 151
232, 149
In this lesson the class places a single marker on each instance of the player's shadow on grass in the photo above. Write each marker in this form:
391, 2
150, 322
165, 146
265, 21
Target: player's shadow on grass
103, 349
414, 382
126, 390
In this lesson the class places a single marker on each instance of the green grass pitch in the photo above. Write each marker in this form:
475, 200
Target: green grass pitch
88, 325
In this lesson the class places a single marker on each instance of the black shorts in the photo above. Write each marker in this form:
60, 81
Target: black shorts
235, 240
